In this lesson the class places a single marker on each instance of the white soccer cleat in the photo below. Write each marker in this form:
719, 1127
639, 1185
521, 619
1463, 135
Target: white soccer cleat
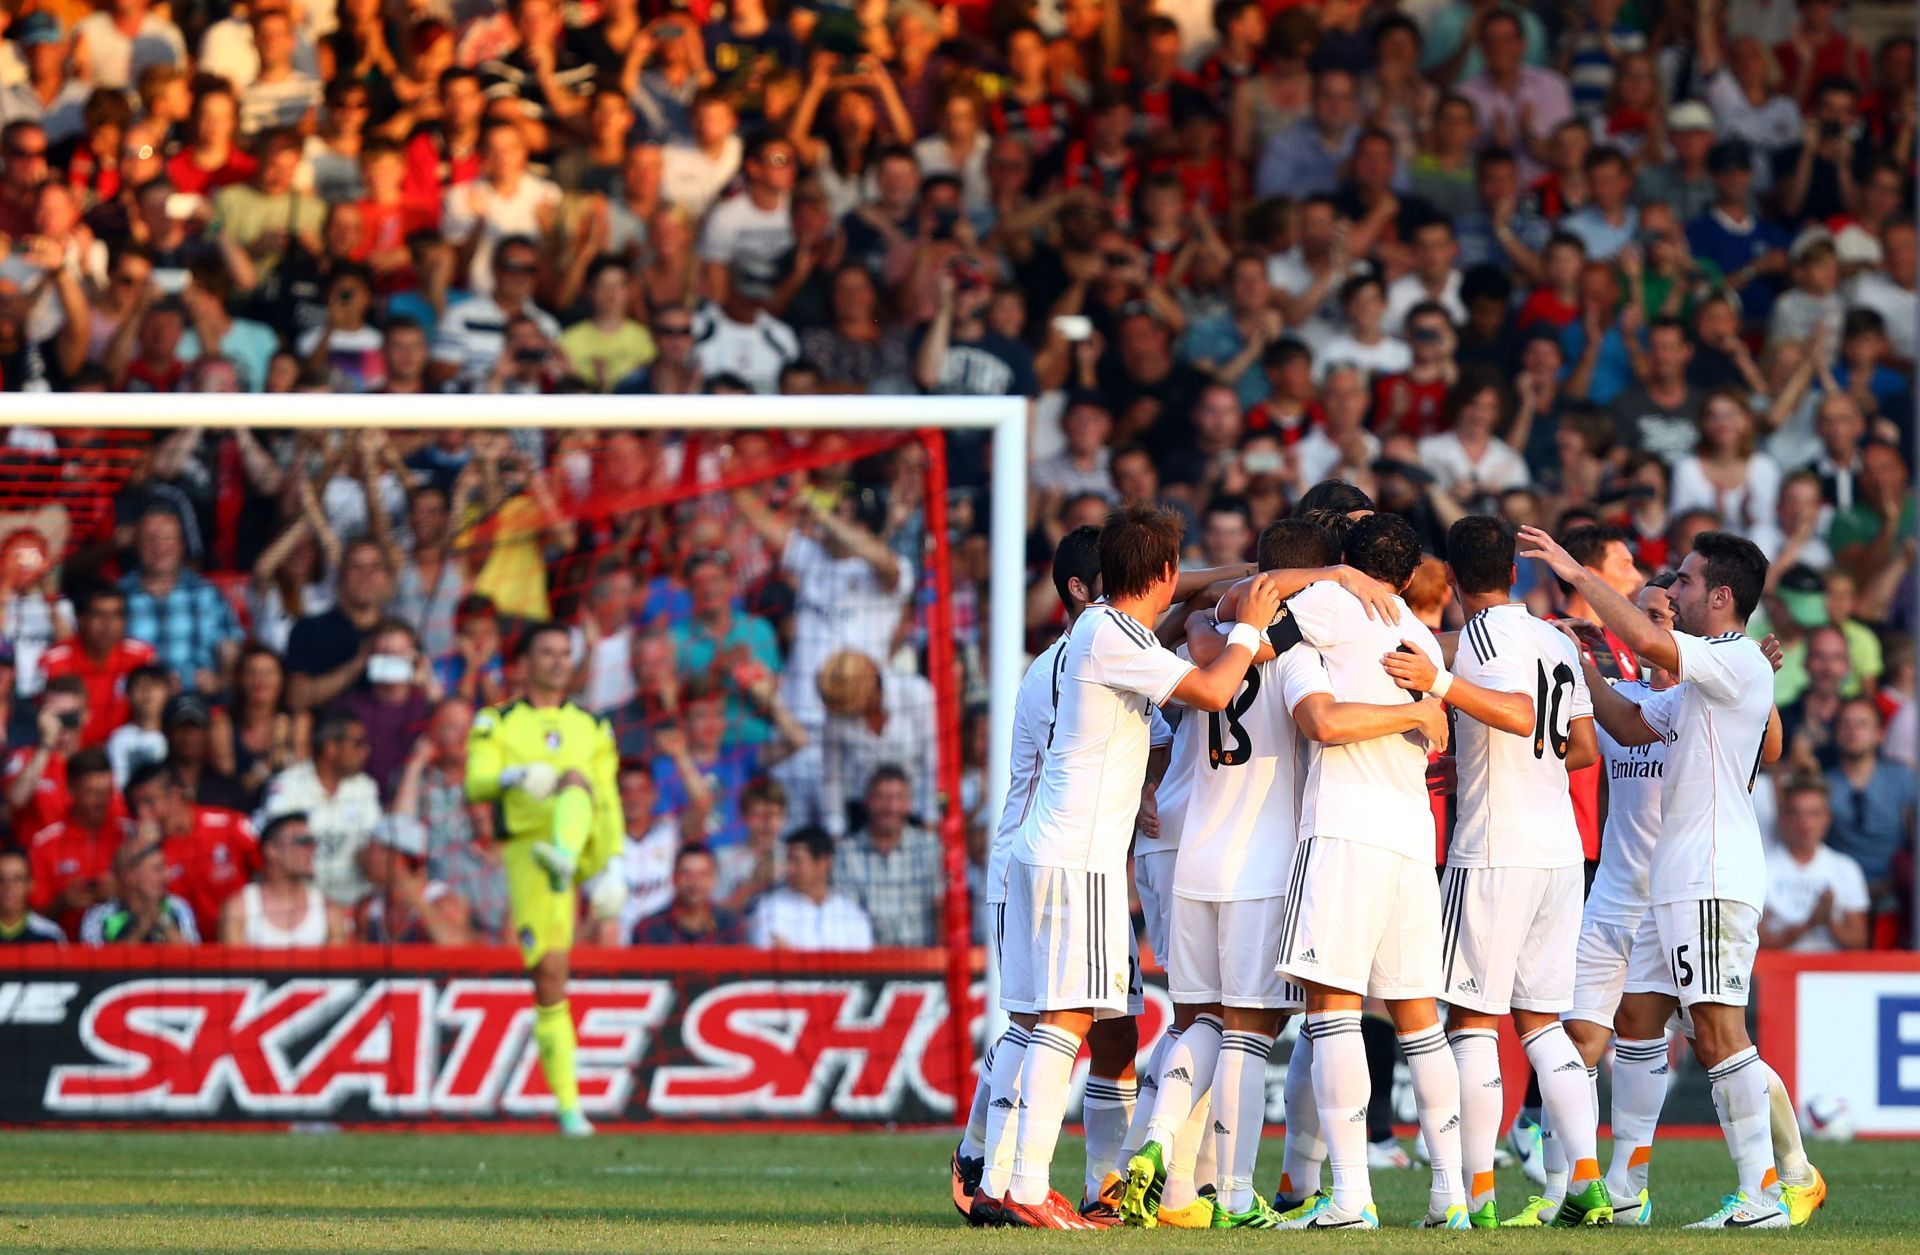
573, 1124
1737, 1211
1523, 1138
556, 862
1320, 1213
1387, 1156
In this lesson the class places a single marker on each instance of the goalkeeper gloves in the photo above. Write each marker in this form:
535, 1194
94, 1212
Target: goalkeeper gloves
609, 894
536, 780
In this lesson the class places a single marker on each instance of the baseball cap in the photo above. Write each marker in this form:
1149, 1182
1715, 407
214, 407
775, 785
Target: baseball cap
1857, 247
1690, 115
403, 834
185, 708
1730, 154
37, 29
1804, 595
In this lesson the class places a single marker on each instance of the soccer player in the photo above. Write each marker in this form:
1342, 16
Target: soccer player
1707, 878
550, 767
1512, 888
1364, 910
1234, 861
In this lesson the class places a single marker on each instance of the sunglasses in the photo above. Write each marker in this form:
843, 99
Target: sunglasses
303, 843
673, 331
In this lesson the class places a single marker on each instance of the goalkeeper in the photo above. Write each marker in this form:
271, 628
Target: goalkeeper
548, 768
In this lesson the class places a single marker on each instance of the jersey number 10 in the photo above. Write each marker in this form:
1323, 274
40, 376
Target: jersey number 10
1554, 696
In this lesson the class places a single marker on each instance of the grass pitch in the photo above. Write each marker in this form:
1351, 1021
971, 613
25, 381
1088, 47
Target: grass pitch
737, 1194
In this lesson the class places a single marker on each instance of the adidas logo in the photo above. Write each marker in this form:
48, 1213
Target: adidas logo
1734, 982
1493, 1084
1663, 1069
1308, 957
1178, 1074
1005, 1104
1468, 986
1220, 1128
1358, 1116
1147, 1082
1571, 1065
1453, 1122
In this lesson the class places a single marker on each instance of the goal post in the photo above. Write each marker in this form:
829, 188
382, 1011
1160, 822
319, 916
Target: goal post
909, 418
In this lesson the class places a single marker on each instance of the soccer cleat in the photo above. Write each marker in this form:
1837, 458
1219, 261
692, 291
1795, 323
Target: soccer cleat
1384, 1156
1538, 1211
1259, 1216
1457, 1217
1320, 1213
966, 1179
1803, 1200
1195, 1215
1737, 1211
556, 862
1486, 1216
1591, 1206
1054, 1212
1146, 1179
984, 1212
573, 1124
1523, 1138
1295, 1210
1103, 1209
1633, 1211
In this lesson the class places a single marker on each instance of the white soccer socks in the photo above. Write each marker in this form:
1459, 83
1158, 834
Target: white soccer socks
1639, 1091
1239, 1113
1045, 1074
973, 1143
1436, 1093
1184, 1077
1740, 1096
1566, 1094
1789, 1153
1109, 1108
1149, 1099
1306, 1150
1341, 1088
1476, 1056
1003, 1107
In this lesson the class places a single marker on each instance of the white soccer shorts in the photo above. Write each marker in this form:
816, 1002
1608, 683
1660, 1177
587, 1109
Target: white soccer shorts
1508, 937
1696, 951
1225, 952
1069, 942
1601, 960
1363, 919
1153, 877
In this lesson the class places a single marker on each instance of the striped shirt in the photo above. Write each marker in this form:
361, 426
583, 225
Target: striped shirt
186, 625
900, 889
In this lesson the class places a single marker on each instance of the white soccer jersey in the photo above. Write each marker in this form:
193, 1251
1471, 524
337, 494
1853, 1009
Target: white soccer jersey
1715, 724
1170, 799
1515, 810
1635, 774
1371, 792
1111, 670
1032, 727
1243, 812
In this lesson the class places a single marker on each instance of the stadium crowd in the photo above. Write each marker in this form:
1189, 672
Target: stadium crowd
1626, 270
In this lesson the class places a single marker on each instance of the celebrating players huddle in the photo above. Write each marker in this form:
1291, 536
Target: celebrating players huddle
1281, 833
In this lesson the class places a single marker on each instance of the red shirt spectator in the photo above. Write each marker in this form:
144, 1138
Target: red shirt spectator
72, 858
102, 656
210, 861
1418, 404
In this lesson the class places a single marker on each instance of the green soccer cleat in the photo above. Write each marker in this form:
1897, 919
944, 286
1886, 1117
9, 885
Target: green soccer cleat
1591, 1206
1305, 1206
1486, 1216
573, 1124
1146, 1179
1259, 1216
557, 863
1538, 1212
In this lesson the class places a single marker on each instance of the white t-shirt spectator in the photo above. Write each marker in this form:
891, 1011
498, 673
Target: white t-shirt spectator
264, 105
1497, 469
791, 921
935, 157
131, 747
1794, 889
1407, 291
31, 622
115, 61
1317, 455
474, 333
740, 231
342, 823
609, 671
1897, 306
839, 603
62, 119
1746, 509
1389, 357
645, 863
692, 180
499, 214
756, 352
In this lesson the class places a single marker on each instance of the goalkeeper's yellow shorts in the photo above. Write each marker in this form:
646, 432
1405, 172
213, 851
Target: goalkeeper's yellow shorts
542, 919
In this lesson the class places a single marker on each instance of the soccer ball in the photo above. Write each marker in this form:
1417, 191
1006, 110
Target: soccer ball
1826, 1118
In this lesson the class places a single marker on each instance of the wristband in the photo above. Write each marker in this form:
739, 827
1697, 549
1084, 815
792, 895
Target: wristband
1442, 681
1245, 634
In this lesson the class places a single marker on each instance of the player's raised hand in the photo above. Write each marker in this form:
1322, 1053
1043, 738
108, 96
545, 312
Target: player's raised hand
1375, 596
1770, 646
1260, 603
1410, 668
1535, 543
1433, 724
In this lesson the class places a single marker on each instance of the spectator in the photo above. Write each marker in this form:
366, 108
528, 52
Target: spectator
1726, 473
404, 905
475, 669
142, 740
1306, 157
340, 801
187, 721
504, 203
874, 717
603, 642
1518, 105
36, 778
255, 734
186, 620
608, 345
1816, 897
142, 912
692, 917
751, 868
210, 851
894, 869
1810, 722
647, 864
472, 336
282, 910
737, 651
72, 857
103, 658
116, 45
699, 777
805, 913
1661, 414
19, 925
328, 652
1468, 460
430, 580
393, 703
1873, 799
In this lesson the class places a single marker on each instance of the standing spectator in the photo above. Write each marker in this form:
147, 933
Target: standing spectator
340, 801
1749, 250
187, 620
475, 669
255, 734
699, 777
282, 910
431, 579
142, 739
693, 175
1726, 474
116, 45
269, 214
893, 868
1662, 414
647, 864
735, 650
280, 95
327, 653
1873, 799
692, 917
1306, 158
142, 912
72, 858
603, 641
36, 776
394, 702
504, 203
1469, 461
875, 717
1518, 105
19, 925
1816, 897
804, 913
103, 658
1085, 464
404, 905
33, 615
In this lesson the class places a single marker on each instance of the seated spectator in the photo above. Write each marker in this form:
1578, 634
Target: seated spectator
103, 656
36, 777
18, 923
187, 722
1364, 342
1469, 462
1872, 798
1084, 465
736, 650
476, 669
268, 213
692, 917
282, 910
805, 913
1412, 401
752, 867
894, 869
142, 739
737, 335
472, 336
210, 851
327, 653
608, 345
142, 912
603, 641
72, 858
506, 202
874, 717
699, 777
644, 864
403, 905
255, 735
187, 621
393, 702
340, 801
1661, 414
431, 785
1726, 473
1816, 897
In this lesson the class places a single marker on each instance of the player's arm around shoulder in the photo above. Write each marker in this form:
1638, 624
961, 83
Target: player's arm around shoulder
1211, 687
1483, 686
